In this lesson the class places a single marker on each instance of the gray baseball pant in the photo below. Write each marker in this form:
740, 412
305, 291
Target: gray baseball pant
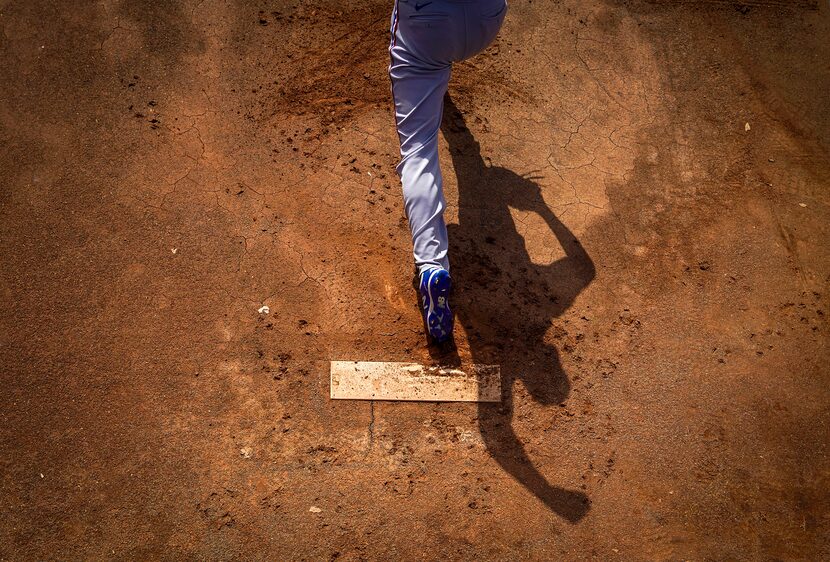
427, 37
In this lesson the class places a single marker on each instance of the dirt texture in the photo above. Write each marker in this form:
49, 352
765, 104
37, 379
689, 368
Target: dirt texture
638, 204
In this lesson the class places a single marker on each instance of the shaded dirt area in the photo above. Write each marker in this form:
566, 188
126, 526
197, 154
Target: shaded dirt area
638, 206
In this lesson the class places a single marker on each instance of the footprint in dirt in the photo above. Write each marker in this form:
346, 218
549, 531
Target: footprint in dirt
506, 303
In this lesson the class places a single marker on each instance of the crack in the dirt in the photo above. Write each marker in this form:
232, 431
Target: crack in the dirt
111, 33
371, 429
579, 126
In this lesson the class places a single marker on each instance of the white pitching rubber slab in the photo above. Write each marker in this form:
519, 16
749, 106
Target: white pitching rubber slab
375, 380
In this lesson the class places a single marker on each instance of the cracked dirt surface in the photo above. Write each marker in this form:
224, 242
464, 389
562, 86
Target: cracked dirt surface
638, 207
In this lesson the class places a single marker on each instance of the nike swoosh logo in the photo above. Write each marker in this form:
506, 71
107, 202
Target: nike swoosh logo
419, 6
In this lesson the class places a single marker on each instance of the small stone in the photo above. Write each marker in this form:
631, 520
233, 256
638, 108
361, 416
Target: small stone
315, 509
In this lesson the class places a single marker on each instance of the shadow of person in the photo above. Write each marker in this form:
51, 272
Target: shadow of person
506, 303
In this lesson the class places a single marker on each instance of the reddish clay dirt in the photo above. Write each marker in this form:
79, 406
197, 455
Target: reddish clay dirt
639, 209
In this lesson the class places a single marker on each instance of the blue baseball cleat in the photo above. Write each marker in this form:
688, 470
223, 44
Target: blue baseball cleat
435, 289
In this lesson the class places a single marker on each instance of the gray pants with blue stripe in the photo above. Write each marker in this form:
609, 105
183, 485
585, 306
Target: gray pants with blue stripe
427, 37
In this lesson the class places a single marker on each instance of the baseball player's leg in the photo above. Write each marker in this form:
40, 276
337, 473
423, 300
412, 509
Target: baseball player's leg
420, 72
426, 38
